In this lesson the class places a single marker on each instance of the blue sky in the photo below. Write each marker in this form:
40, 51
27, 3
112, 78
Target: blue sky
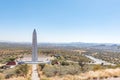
95, 21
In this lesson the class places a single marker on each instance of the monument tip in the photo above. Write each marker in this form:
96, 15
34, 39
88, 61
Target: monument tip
34, 30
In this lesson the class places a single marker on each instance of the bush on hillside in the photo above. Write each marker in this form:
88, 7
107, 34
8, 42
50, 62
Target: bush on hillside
22, 70
42, 65
63, 63
97, 67
53, 70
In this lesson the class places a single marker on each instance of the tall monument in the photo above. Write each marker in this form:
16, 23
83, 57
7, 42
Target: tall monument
34, 47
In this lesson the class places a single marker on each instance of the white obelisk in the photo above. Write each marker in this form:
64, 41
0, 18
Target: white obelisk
34, 47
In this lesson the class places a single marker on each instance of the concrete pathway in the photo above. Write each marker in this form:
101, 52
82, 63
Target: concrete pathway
41, 59
34, 72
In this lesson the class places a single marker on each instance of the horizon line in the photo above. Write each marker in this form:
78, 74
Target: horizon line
59, 42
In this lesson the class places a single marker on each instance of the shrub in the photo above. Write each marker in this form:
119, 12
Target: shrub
97, 67
42, 65
22, 70
50, 70
53, 70
9, 75
10, 72
54, 62
63, 63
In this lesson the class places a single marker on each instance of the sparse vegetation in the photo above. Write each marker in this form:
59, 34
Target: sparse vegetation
22, 70
112, 57
90, 75
58, 70
68, 64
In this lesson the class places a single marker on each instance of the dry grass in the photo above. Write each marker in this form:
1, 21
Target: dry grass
18, 78
99, 74
28, 77
2, 77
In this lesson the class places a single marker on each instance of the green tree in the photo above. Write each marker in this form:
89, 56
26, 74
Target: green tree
82, 62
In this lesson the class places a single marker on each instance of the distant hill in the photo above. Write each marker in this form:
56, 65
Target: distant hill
100, 46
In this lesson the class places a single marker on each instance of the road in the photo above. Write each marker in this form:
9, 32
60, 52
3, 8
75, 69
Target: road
98, 61
34, 72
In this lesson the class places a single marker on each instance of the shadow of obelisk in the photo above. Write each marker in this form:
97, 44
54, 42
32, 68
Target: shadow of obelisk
34, 47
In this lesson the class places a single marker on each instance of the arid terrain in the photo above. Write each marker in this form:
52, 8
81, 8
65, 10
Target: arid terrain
66, 63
